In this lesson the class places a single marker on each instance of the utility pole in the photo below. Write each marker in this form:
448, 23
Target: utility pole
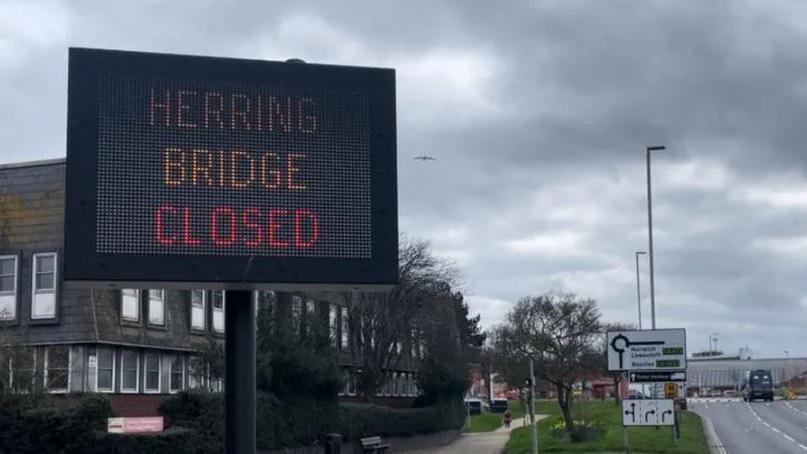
534, 430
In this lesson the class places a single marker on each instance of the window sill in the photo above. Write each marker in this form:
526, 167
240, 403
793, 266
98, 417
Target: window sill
128, 391
44, 321
130, 323
162, 327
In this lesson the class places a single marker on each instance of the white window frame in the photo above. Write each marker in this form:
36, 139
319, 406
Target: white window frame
161, 301
204, 310
344, 328
13, 294
296, 313
137, 304
69, 369
171, 373
221, 311
111, 389
146, 390
310, 310
136, 389
333, 324
51, 291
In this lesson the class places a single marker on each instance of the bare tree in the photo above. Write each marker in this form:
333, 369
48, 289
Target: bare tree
382, 324
558, 331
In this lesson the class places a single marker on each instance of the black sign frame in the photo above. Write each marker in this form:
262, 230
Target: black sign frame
84, 267
657, 376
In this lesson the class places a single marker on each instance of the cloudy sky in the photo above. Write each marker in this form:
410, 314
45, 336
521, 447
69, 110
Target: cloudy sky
538, 113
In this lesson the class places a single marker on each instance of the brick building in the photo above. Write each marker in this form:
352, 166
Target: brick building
135, 344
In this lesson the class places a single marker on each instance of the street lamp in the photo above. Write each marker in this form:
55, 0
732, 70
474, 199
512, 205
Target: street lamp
638, 288
712, 349
650, 235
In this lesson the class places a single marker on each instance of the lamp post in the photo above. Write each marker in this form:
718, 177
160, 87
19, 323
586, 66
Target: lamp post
711, 348
638, 287
650, 235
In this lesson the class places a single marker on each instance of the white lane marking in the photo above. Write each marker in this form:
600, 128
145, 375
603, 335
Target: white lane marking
765, 423
711, 434
705, 405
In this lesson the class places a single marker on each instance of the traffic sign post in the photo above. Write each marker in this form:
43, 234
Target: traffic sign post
199, 172
647, 350
648, 412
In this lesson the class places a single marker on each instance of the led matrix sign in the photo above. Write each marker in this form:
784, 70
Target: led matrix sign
204, 170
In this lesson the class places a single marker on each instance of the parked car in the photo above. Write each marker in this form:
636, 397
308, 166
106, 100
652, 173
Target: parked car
498, 405
474, 406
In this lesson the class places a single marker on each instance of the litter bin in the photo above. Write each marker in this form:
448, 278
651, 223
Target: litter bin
333, 444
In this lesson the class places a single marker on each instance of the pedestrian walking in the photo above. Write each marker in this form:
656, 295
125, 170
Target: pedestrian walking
507, 419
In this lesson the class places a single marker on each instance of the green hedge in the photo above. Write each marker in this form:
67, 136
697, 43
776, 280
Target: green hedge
359, 420
56, 425
300, 422
175, 440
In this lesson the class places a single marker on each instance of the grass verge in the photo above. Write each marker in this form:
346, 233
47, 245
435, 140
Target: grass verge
605, 434
488, 422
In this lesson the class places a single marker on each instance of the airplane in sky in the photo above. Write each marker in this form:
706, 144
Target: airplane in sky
425, 158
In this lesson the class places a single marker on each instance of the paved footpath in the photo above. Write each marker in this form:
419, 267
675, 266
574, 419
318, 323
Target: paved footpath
477, 442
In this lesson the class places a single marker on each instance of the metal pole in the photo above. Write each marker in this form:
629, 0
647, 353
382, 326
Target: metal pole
239, 381
650, 236
534, 430
638, 289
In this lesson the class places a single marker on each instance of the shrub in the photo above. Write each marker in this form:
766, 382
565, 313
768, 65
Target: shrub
58, 426
201, 411
176, 440
297, 422
359, 420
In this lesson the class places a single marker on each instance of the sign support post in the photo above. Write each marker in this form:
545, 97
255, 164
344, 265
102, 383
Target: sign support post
239, 380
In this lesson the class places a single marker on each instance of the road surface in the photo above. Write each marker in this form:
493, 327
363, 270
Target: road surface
757, 427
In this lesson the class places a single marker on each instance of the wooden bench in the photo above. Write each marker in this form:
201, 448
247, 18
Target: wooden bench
373, 444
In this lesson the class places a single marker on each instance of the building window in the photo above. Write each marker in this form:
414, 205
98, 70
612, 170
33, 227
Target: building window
43, 303
105, 369
57, 369
198, 309
333, 324
22, 371
344, 329
394, 390
351, 383
157, 307
130, 305
219, 299
196, 372
8, 287
130, 371
296, 313
151, 373
414, 343
310, 311
177, 373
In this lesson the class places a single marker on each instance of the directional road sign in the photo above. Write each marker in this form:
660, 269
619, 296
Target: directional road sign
647, 350
655, 377
648, 412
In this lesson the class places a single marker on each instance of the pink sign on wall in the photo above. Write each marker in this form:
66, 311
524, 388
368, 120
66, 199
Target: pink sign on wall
135, 425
